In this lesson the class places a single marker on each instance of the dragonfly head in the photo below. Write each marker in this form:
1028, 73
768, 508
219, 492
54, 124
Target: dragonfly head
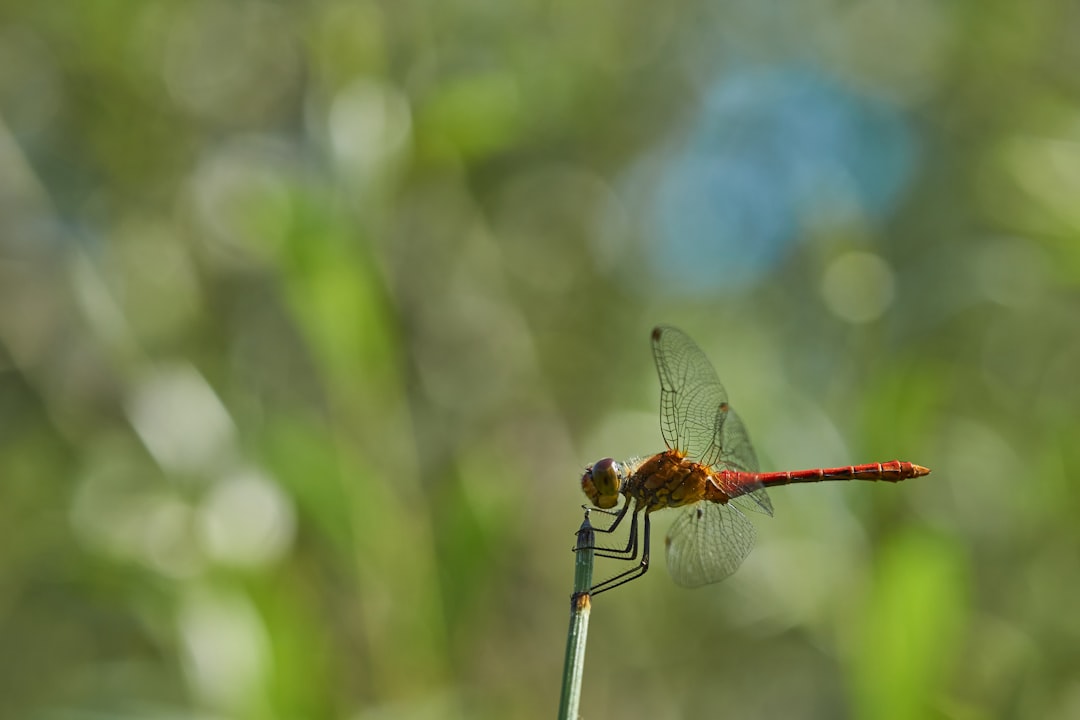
601, 483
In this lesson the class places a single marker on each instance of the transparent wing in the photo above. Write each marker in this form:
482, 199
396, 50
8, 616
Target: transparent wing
695, 417
707, 543
737, 453
693, 403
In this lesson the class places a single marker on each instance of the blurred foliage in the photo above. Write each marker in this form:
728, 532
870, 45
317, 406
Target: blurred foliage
311, 314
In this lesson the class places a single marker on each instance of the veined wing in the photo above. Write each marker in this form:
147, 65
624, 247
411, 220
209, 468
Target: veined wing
737, 453
693, 403
707, 542
695, 417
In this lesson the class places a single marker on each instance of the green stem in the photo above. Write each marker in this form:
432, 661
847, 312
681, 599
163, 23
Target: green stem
580, 605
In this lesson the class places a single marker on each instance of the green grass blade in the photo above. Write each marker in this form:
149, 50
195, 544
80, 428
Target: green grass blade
580, 605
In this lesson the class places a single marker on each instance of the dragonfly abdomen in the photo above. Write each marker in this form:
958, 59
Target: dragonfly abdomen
893, 471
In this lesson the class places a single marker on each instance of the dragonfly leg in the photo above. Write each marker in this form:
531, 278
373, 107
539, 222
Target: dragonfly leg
617, 514
624, 553
630, 551
633, 573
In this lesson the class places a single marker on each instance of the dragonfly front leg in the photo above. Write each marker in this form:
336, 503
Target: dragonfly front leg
630, 551
617, 514
633, 573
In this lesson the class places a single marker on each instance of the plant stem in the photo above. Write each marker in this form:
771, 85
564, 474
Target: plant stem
580, 604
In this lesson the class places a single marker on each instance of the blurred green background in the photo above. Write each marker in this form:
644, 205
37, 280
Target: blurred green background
312, 313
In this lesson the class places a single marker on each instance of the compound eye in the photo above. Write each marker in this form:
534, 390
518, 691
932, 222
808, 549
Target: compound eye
606, 476
601, 483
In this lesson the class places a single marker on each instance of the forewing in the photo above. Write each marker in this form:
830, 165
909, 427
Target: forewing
695, 417
707, 542
693, 403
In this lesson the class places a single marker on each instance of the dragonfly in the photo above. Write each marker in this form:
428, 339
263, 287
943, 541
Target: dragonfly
709, 472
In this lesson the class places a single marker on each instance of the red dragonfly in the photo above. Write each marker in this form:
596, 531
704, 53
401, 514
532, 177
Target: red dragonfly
709, 470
